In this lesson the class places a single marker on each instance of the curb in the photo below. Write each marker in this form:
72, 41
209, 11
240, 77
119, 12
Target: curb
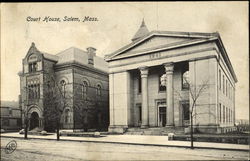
110, 142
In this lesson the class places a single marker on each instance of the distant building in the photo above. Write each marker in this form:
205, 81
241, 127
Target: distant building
82, 79
150, 79
10, 116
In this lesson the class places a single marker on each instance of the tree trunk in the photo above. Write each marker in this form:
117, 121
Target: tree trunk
26, 129
57, 131
191, 133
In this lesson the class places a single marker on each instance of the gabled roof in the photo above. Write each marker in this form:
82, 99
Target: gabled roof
205, 36
33, 50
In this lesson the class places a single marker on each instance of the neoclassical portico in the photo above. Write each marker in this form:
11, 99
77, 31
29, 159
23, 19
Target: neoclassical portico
169, 69
138, 98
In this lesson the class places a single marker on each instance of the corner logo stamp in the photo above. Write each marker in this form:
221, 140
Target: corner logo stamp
11, 147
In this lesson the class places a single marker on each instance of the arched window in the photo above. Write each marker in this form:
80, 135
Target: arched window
63, 86
185, 80
33, 89
98, 90
84, 89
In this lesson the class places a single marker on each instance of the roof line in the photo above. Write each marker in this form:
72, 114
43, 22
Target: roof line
161, 33
168, 47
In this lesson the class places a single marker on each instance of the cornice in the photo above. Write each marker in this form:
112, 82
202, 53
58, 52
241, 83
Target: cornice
73, 64
167, 47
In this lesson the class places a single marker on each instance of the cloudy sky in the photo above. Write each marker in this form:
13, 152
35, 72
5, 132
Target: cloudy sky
116, 25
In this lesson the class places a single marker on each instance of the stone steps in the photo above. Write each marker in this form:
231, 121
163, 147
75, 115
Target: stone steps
155, 131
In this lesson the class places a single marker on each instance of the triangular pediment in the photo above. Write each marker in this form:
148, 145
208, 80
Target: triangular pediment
157, 41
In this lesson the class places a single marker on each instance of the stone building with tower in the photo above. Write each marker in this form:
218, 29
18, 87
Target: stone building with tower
150, 81
81, 81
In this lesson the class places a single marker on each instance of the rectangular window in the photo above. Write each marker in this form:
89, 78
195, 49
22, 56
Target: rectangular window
186, 112
226, 115
226, 87
230, 115
140, 113
32, 67
229, 93
223, 84
223, 113
219, 79
219, 111
5, 122
19, 122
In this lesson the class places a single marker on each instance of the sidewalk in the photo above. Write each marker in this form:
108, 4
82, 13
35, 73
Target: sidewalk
137, 140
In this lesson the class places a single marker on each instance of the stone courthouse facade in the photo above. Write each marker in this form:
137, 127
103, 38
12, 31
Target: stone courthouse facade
150, 81
82, 81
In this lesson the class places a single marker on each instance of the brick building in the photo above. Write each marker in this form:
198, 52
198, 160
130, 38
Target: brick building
75, 80
157, 71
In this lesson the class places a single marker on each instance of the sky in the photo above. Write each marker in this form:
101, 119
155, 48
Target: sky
116, 24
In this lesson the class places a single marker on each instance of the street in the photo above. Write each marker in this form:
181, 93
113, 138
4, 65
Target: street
34, 149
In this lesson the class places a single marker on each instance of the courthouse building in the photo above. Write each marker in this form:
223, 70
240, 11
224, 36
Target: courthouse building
75, 77
152, 80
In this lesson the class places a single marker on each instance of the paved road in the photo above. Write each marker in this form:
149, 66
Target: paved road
67, 150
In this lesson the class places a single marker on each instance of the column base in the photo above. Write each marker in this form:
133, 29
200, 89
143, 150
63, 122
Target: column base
117, 129
169, 125
144, 126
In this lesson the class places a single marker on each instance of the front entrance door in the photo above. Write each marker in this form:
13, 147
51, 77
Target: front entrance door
34, 120
162, 116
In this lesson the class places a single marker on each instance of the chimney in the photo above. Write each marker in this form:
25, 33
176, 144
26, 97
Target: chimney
91, 54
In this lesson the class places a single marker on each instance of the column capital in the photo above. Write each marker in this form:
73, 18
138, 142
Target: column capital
144, 71
169, 67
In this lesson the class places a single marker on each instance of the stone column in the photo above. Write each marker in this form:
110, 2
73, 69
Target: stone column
144, 93
169, 68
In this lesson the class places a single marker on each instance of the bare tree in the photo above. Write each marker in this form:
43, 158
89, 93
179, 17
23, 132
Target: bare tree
85, 106
195, 91
25, 112
56, 99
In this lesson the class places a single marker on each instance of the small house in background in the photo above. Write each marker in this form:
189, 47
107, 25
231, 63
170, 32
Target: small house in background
10, 116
